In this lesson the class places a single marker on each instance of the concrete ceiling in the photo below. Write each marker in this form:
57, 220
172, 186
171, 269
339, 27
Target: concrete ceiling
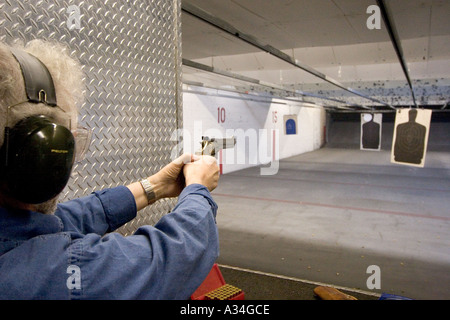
332, 37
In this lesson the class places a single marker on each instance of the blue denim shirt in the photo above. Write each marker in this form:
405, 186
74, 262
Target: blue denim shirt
73, 255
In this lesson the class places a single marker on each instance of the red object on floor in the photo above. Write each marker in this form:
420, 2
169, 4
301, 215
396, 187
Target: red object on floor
215, 288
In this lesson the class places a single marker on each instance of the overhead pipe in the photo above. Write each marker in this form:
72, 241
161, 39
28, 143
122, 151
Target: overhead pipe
395, 39
203, 67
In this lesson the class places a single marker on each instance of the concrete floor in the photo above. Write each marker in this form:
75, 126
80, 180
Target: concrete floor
330, 214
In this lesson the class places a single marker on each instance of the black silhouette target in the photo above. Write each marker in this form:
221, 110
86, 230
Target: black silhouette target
410, 140
371, 131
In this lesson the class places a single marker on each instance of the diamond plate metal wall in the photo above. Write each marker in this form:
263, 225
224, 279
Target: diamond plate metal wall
131, 57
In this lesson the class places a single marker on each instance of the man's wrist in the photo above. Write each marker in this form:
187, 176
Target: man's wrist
149, 190
158, 187
140, 195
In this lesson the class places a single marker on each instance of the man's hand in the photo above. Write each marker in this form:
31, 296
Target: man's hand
171, 180
203, 171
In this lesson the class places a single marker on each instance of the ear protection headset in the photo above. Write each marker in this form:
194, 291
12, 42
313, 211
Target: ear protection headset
37, 155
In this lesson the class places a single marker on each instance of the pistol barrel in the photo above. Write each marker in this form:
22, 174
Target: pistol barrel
210, 146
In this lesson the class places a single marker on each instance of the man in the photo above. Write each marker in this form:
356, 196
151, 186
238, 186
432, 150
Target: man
69, 251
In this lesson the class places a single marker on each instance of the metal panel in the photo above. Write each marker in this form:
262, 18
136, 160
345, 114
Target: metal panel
130, 52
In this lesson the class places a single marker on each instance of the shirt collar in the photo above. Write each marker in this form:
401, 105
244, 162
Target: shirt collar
24, 224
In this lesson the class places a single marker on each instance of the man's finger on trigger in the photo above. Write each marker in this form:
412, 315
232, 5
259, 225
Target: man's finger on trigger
193, 158
183, 159
209, 159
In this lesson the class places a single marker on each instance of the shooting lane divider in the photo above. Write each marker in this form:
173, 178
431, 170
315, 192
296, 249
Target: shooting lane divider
220, 162
273, 145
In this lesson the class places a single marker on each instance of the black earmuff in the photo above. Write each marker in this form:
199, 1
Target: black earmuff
38, 159
37, 154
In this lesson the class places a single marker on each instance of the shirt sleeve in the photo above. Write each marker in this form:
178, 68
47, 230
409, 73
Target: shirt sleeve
98, 213
167, 261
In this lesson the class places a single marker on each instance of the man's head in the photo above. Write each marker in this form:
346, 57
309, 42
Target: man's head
28, 122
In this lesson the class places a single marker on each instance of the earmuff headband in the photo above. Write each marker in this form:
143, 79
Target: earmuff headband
38, 81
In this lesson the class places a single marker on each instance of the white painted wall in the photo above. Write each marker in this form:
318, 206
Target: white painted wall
254, 121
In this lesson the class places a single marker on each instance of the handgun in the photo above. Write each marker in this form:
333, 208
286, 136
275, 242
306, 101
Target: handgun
211, 146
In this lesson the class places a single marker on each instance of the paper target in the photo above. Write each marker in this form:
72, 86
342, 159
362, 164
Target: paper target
411, 137
371, 131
